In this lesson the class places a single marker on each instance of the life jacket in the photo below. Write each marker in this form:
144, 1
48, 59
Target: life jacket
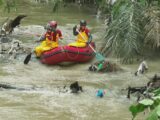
82, 36
52, 36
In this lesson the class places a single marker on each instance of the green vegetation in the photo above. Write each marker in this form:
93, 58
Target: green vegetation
11, 5
152, 105
0, 2
8, 5
104, 6
134, 29
26, 7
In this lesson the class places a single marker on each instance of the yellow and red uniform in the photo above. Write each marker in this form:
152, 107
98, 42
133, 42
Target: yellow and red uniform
50, 42
82, 38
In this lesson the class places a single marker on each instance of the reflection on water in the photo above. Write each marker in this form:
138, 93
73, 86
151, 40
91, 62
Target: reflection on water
45, 101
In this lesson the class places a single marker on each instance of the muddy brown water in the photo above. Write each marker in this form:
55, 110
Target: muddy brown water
43, 99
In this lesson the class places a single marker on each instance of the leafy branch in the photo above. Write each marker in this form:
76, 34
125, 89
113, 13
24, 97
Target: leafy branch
152, 104
135, 26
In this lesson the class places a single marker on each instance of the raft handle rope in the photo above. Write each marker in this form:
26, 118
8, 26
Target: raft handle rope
75, 56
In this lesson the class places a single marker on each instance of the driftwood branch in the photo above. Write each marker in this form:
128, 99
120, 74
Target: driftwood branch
153, 84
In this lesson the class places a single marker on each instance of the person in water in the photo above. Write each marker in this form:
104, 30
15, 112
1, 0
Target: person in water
49, 39
100, 93
83, 34
75, 88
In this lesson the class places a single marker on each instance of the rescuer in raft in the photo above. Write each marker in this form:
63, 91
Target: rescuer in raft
49, 39
83, 34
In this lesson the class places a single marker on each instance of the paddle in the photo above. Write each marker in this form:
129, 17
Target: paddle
28, 57
99, 57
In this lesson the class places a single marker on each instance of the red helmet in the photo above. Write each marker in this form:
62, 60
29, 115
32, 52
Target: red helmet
53, 24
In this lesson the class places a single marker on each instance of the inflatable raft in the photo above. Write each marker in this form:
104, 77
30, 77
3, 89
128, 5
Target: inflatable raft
68, 54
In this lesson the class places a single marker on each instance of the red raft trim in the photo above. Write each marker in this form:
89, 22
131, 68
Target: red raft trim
68, 54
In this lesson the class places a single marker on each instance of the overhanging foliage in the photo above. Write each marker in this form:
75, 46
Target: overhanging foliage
135, 26
124, 35
152, 28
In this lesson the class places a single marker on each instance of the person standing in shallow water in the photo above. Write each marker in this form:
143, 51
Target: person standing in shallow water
49, 39
83, 34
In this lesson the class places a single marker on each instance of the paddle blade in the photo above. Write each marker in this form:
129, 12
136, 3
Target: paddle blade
99, 57
27, 59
